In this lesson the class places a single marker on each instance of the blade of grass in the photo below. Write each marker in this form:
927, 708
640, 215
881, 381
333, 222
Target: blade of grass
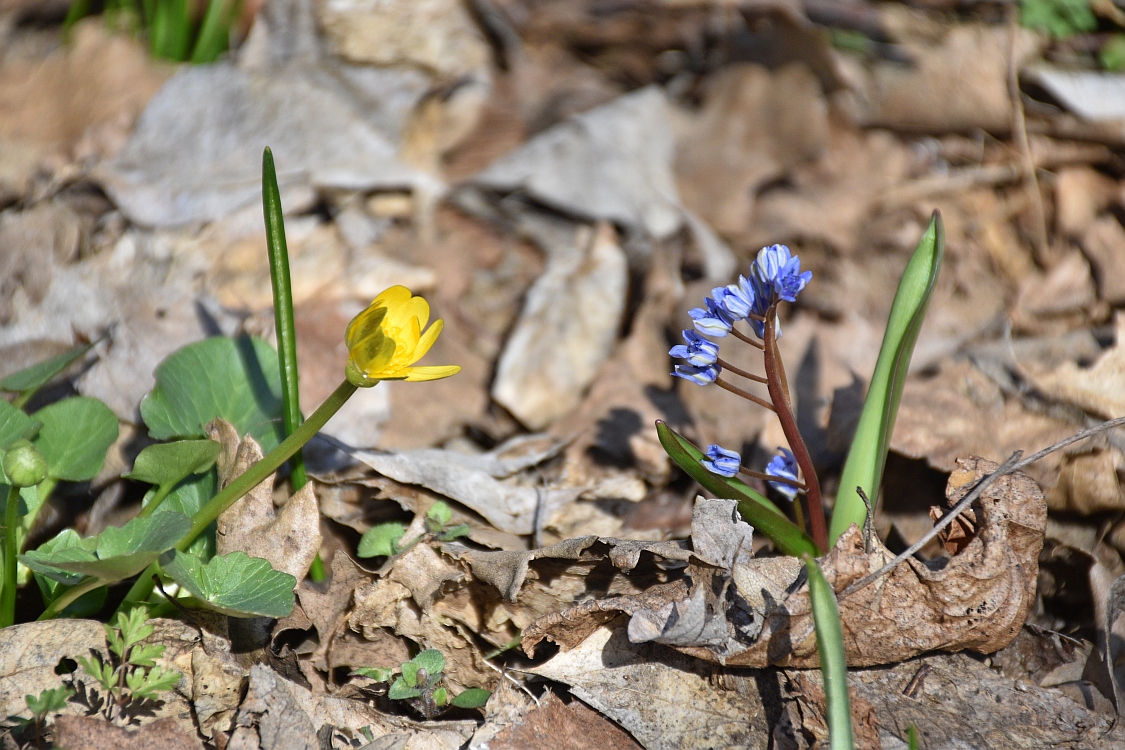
754, 508
833, 662
283, 320
214, 33
868, 454
29, 380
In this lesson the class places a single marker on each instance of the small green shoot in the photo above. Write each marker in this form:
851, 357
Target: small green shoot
382, 540
50, 701
235, 584
833, 662
1112, 54
1060, 19
868, 454
419, 681
130, 677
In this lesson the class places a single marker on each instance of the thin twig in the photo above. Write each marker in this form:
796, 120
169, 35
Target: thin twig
1012, 465
773, 478
739, 371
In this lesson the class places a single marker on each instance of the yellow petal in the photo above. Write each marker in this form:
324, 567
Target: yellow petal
427, 340
366, 324
435, 372
414, 308
392, 297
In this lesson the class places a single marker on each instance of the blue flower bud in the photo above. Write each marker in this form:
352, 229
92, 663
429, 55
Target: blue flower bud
739, 299
783, 465
721, 461
698, 375
699, 351
712, 321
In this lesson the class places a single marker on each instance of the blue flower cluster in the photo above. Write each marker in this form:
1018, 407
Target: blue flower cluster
775, 274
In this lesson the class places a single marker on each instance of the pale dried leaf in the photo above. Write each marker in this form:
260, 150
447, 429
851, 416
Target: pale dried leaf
290, 538
1098, 389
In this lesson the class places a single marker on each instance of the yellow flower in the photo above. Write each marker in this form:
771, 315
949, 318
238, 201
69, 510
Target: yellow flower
386, 339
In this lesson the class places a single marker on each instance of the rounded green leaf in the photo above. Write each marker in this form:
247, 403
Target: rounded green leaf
236, 379
235, 584
430, 660
379, 674
472, 698
168, 463
440, 696
75, 436
399, 690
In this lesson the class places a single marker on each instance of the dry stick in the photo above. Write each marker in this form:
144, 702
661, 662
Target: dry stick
739, 371
780, 397
1012, 465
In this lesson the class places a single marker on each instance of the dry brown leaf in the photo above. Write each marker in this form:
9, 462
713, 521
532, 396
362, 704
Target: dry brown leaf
754, 125
563, 726
976, 600
1081, 193
1098, 389
807, 693
1104, 245
30, 652
88, 733
1066, 292
290, 538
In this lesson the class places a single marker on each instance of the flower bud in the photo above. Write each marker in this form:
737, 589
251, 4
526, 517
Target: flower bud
24, 465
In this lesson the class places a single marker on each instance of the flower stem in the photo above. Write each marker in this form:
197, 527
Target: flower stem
771, 478
745, 394
743, 337
247, 481
780, 396
8, 593
739, 371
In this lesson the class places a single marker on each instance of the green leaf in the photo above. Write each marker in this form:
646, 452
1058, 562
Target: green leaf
66, 539
14, 425
430, 660
1059, 18
188, 498
49, 701
755, 509
75, 436
440, 696
170, 463
151, 682
236, 379
214, 32
833, 661
37, 375
399, 690
381, 540
116, 553
379, 674
472, 698
454, 532
235, 584
868, 454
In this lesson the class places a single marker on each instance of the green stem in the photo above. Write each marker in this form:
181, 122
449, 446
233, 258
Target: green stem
158, 497
8, 593
69, 597
246, 482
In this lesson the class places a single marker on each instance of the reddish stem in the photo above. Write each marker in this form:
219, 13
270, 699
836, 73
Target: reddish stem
743, 337
771, 478
745, 394
739, 371
784, 410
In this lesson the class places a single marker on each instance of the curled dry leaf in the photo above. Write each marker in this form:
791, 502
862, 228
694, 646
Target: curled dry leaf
977, 599
290, 538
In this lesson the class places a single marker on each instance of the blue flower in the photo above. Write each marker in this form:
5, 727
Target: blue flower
698, 375
780, 272
721, 461
739, 300
712, 321
783, 465
699, 351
